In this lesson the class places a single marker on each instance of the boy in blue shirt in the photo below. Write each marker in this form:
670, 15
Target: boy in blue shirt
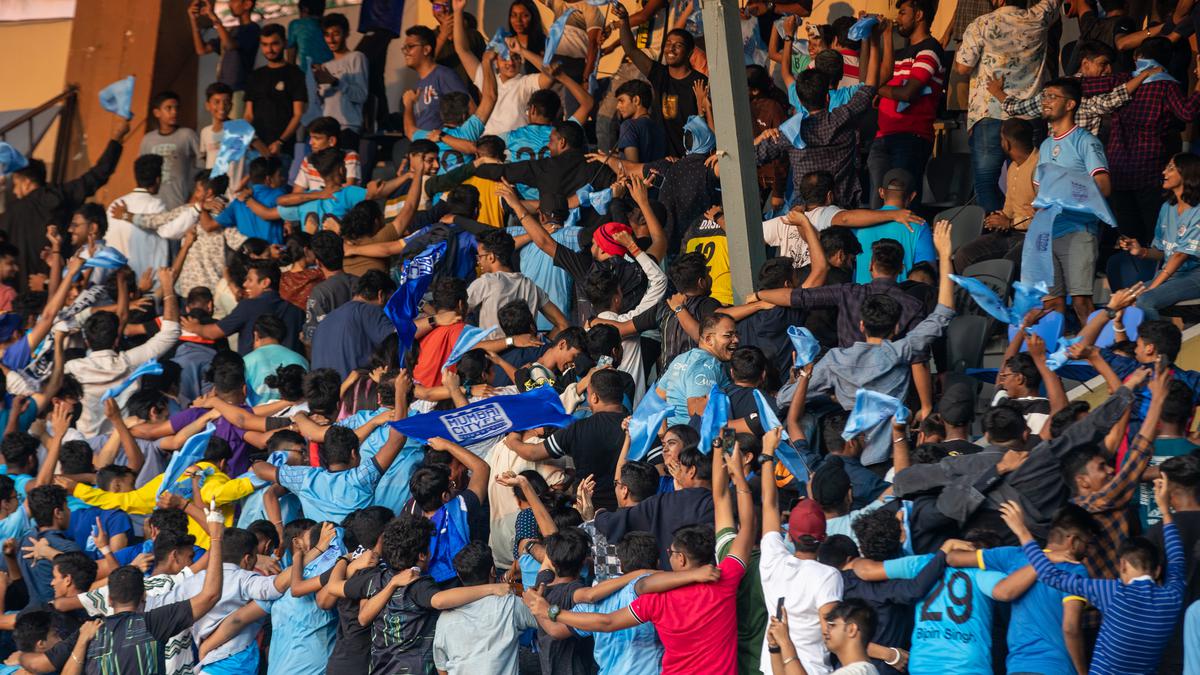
266, 186
1076, 240
335, 199
460, 129
1051, 621
1138, 615
897, 192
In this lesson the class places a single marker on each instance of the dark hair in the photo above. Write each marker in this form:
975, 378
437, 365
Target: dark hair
835, 551
405, 539
887, 256
340, 445
314, 8
927, 8
600, 287
455, 107
1183, 471
364, 527
880, 314
463, 200
217, 450
567, 550
1177, 405
34, 626
537, 33
1156, 48
79, 568
274, 30
490, 146
75, 457
267, 269
166, 542
100, 331
697, 542
335, 20
829, 62
637, 89
1074, 519
812, 88
19, 449
878, 533
748, 364
546, 103
1018, 131
227, 378
1004, 424
841, 30
327, 161
776, 273
325, 126
1140, 554
640, 478
270, 327
8, 488
106, 475
43, 501
1188, 166
515, 318
692, 458
1064, 418
689, 42
373, 284
840, 239
638, 551
427, 485
602, 340
147, 169
474, 563
1091, 49
1022, 364
238, 544
687, 271
262, 168
1163, 335
285, 437
287, 379
322, 390
571, 133
1069, 86
609, 386
857, 612
127, 584
328, 248
1076, 460
162, 97
500, 244
574, 337
364, 219
94, 214
174, 521
422, 146
832, 426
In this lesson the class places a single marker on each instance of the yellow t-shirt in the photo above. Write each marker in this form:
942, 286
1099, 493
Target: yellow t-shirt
709, 239
490, 211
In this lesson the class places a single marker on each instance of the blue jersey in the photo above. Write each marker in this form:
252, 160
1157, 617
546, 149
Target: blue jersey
1038, 647
1079, 152
952, 629
633, 651
448, 157
531, 141
337, 206
692, 374
917, 245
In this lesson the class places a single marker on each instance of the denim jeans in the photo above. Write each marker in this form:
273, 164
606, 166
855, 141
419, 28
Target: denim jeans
1181, 286
987, 159
897, 151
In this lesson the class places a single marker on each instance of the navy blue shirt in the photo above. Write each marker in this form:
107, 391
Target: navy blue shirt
241, 321
38, 573
346, 337
646, 135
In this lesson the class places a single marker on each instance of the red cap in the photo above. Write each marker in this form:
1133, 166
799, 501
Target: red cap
806, 518
604, 237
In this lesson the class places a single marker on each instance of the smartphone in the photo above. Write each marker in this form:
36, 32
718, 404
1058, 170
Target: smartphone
779, 609
604, 361
727, 439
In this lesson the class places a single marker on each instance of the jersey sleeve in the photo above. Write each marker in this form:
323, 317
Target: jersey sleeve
907, 567
1006, 559
986, 581
1094, 158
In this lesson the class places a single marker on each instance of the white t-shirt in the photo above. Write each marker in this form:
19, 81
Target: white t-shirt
512, 98
860, 668
777, 232
805, 586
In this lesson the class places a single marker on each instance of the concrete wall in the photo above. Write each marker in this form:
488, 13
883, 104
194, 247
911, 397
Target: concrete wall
34, 55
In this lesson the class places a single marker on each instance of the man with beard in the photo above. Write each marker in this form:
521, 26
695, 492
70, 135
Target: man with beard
275, 94
687, 381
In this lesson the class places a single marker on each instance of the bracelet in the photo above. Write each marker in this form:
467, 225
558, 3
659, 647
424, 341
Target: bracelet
105, 550
744, 492
788, 660
898, 439
896, 659
803, 374
1118, 329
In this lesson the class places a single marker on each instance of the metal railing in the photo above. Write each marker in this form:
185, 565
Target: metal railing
66, 119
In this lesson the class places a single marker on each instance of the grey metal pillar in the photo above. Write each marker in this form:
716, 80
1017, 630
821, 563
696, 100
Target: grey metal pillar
735, 142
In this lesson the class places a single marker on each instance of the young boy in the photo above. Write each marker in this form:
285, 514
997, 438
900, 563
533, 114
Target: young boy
640, 139
9, 269
323, 133
335, 198
218, 101
238, 46
305, 42
266, 186
178, 146
1138, 615
460, 129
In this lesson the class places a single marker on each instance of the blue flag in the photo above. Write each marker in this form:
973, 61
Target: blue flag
805, 344
415, 277
871, 409
1146, 64
107, 258
488, 418
791, 128
328, 557
1027, 297
985, 297
554, 35
235, 141
715, 417
1072, 190
785, 453
498, 45
597, 199
1037, 258
1059, 357
11, 159
151, 367
117, 98
703, 141
191, 452
467, 339
645, 422
861, 30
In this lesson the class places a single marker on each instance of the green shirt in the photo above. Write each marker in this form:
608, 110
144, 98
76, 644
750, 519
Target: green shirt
751, 608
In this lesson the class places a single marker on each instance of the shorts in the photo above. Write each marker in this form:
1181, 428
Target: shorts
1075, 259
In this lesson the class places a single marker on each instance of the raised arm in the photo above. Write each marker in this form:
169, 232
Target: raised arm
210, 593
462, 46
744, 542
480, 471
541, 238
639, 58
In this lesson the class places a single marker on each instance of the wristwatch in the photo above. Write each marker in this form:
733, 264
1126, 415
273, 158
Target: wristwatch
1112, 313
677, 309
508, 342
765, 459
553, 613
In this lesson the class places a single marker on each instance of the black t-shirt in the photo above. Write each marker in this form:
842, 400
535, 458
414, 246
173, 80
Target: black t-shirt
675, 339
272, 91
517, 357
675, 102
130, 642
960, 447
595, 444
402, 634
579, 264
572, 656
352, 650
767, 330
241, 321
742, 406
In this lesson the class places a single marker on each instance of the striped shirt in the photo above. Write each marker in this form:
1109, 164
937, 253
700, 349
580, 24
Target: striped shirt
307, 177
922, 61
1138, 618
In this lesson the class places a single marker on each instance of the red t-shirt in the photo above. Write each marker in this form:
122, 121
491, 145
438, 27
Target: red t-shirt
435, 349
923, 62
697, 624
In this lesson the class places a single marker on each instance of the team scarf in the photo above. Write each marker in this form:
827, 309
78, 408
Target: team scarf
491, 417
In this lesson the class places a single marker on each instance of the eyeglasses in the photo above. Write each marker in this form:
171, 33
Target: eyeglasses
409, 47
1052, 97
